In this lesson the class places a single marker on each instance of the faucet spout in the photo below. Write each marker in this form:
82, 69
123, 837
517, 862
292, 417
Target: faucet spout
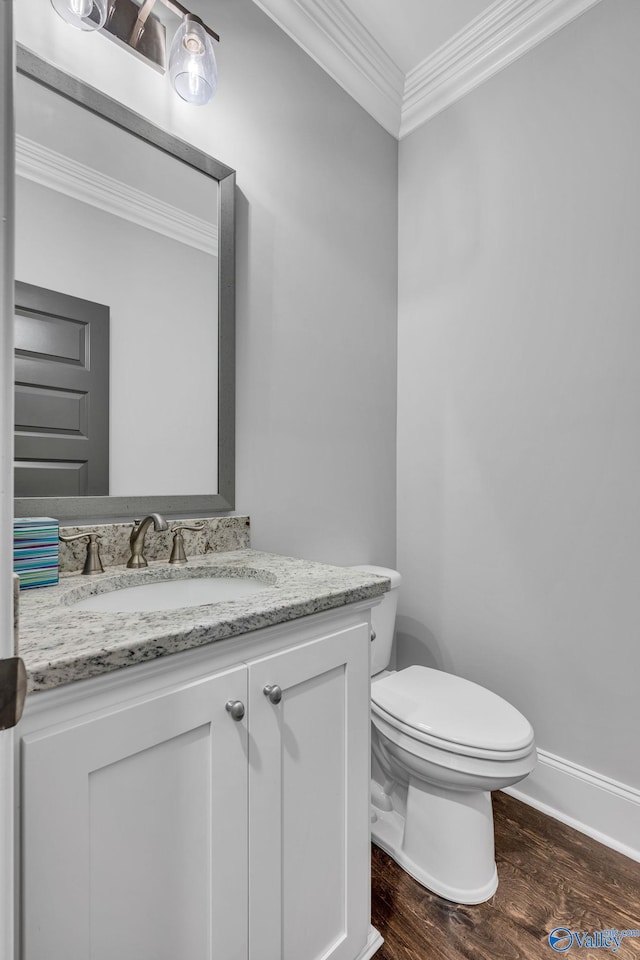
138, 534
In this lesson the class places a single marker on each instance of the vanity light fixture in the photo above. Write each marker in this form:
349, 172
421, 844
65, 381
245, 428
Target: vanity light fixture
192, 61
83, 14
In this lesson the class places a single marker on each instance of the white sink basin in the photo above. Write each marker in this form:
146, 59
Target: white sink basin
173, 594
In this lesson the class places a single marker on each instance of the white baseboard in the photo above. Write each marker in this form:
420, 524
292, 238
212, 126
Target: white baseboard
373, 944
605, 809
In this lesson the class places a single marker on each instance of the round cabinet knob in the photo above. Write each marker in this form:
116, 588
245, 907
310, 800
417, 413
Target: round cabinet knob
273, 692
235, 708
373, 635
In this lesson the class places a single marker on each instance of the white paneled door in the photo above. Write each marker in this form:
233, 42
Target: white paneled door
6, 463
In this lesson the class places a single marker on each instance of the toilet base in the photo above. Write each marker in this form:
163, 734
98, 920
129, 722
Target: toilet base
444, 841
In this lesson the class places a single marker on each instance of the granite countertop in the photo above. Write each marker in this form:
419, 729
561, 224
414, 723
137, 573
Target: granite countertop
60, 644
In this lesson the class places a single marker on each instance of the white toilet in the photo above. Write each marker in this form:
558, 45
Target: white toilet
440, 744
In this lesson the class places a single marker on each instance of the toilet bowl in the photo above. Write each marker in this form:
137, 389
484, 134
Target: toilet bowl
440, 744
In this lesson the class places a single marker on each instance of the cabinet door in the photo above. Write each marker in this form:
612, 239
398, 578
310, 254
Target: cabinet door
134, 830
309, 877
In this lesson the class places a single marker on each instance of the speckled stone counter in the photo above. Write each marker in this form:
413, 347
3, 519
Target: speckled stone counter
60, 644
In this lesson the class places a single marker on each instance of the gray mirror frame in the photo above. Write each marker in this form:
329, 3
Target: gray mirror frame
113, 508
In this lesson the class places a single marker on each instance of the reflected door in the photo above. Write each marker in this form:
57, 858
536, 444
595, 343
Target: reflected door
61, 395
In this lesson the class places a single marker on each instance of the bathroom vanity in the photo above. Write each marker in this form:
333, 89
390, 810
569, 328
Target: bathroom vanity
211, 803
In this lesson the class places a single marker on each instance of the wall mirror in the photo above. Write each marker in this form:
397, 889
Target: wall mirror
125, 241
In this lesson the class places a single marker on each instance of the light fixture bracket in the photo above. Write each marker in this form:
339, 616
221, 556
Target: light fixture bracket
133, 26
145, 38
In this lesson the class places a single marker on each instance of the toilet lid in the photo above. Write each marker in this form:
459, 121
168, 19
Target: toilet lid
452, 709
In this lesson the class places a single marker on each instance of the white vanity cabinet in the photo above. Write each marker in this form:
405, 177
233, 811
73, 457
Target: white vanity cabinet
309, 800
155, 826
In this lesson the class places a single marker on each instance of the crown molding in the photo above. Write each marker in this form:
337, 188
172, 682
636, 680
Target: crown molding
51, 169
343, 47
334, 37
504, 32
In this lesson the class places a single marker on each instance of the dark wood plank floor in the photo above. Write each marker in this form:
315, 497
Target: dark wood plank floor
550, 876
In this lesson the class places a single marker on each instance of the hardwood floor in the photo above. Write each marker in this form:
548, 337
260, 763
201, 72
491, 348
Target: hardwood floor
550, 876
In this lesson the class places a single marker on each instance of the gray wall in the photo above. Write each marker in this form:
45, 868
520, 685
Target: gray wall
519, 394
317, 273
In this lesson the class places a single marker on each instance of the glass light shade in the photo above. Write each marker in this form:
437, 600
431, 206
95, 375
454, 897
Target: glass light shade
192, 63
82, 14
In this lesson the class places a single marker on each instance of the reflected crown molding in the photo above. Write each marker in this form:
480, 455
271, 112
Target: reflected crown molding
336, 39
51, 169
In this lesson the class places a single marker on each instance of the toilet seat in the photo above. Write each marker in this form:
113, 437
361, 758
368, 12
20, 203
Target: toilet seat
451, 714
448, 754
438, 764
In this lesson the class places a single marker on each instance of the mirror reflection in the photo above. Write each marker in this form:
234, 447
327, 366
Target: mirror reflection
105, 219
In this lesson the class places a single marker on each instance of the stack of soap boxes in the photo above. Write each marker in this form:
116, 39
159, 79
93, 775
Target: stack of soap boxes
35, 551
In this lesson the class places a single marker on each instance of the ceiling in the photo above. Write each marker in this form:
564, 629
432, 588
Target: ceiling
411, 30
405, 61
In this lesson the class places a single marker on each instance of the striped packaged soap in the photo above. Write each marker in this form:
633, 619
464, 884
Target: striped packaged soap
35, 551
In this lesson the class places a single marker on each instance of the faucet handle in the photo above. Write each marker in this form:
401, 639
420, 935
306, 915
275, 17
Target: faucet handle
92, 563
177, 551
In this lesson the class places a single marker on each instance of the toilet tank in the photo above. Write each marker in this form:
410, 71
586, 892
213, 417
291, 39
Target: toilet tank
383, 618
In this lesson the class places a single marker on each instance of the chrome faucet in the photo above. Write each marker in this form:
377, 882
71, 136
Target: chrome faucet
136, 540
